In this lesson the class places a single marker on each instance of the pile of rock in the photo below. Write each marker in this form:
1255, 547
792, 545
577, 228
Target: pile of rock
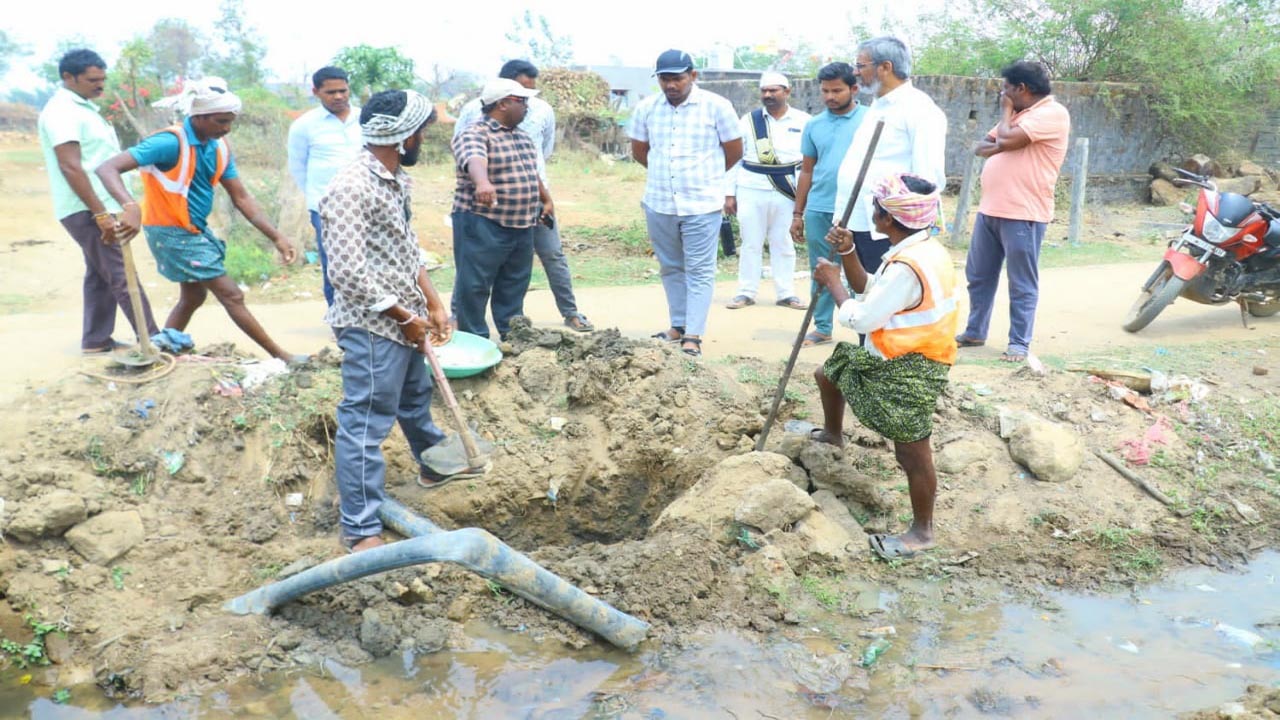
1246, 178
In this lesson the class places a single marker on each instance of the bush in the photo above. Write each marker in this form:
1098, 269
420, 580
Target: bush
248, 261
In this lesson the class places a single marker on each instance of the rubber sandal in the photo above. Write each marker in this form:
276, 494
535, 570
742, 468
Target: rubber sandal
889, 547
1012, 357
739, 301
962, 341
793, 302
665, 336
815, 338
696, 350
430, 480
579, 323
115, 345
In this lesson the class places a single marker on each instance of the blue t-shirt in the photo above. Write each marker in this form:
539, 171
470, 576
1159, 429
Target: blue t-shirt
827, 137
161, 150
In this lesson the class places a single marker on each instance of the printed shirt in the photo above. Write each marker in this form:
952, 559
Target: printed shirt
784, 133
893, 288
914, 140
1018, 184
321, 144
686, 161
826, 139
539, 124
69, 118
513, 170
373, 253
161, 150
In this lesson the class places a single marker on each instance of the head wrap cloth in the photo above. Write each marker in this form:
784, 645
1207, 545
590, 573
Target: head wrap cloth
395, 129
205, 96
913, 210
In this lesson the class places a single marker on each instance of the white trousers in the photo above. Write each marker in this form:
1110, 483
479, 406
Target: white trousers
765, 215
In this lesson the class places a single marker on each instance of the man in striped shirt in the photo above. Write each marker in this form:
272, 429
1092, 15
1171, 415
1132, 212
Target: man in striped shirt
688, 139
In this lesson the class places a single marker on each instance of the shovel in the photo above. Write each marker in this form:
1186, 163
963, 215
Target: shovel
145, 354
461, 454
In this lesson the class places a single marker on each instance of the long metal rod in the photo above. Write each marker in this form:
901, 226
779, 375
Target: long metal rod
808, 316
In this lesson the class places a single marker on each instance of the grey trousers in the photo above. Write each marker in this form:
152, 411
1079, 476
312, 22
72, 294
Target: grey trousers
686, 249
382, 382
546, 245
104, 286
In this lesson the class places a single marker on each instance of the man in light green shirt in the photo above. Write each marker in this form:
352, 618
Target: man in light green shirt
75, 139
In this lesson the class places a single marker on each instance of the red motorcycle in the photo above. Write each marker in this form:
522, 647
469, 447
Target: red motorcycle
1230, 251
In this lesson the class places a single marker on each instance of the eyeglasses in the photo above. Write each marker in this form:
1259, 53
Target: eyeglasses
859, 66
521, 100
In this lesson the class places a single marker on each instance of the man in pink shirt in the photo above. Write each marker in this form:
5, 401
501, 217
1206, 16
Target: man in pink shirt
1024, 153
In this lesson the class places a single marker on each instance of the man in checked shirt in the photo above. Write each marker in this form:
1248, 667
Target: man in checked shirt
498, 201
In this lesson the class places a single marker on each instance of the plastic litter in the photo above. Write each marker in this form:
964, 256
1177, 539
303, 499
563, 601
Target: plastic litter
293, 500
1138, 452
173, 461
981, 390
1244, 637
259, 372
1207, 588
874, 651
173, 341
143, 408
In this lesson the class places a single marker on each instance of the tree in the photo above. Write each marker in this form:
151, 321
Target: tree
372, 69
49, 68
177, 50
799, 59
532, 34
239, 59
10, 49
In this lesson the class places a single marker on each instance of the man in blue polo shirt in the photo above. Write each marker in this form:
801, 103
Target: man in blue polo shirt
180, 166
823, 145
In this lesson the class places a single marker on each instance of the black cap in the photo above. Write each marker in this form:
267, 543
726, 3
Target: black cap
674, 62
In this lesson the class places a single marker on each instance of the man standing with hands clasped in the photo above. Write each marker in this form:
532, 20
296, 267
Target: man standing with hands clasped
687, 139
764, 186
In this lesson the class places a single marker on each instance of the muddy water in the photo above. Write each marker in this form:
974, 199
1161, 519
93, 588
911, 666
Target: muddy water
1181, 645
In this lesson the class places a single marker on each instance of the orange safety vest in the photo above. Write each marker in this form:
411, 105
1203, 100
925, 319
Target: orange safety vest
929, 328
164, 199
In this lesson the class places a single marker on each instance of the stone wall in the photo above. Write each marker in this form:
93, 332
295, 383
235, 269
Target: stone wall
1123, 139
1266, 143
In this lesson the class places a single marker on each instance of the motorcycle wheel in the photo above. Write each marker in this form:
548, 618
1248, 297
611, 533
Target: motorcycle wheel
1263, 309
1153, 301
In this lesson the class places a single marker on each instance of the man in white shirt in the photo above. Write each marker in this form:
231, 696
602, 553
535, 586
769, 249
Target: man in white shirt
764, 192
913, 140
321, 142
687, 139
540, 124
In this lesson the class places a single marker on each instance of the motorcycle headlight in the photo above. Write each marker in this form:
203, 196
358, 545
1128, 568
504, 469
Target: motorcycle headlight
1215, 232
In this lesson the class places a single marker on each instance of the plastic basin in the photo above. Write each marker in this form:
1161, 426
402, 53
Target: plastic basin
466, 354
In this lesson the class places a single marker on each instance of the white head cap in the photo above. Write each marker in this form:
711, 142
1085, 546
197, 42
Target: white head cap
774, 79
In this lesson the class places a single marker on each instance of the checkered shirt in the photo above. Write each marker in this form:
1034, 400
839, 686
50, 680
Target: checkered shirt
686, 161
513, 170
372, 250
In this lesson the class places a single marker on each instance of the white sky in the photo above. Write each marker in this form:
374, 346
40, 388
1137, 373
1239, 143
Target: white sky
466, 35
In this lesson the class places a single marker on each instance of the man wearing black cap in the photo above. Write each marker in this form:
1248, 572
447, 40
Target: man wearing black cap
688, 139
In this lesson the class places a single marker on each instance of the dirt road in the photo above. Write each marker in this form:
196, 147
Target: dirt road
1080, 309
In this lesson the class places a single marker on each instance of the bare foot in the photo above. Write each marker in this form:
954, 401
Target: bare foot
368, 543
822, 436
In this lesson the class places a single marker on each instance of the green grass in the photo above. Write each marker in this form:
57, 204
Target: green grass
11, 303
23, 157
1057, 255
248, 262
822, 590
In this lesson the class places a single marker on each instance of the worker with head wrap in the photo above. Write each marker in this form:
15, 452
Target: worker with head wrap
907, 311
384, 310
180, 166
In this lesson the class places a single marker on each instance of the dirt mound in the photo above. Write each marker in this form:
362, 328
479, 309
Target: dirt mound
623, 466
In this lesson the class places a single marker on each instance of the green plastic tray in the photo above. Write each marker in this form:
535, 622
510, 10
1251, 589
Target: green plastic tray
466, 354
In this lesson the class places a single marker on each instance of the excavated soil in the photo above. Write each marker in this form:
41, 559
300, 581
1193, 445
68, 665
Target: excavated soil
623, 466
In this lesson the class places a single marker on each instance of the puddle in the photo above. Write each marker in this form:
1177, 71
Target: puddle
1181, 645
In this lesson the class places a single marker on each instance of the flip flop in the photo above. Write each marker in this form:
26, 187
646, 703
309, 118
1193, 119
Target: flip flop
115, 345
793, 302
889, 547
740, 301
962, 341
815, 338
665, 336
1012, 357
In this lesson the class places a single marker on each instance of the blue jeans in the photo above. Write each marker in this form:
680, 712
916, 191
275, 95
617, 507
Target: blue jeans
324, 258
382, 382
995, 241
816, 227
493, 262
686, 249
